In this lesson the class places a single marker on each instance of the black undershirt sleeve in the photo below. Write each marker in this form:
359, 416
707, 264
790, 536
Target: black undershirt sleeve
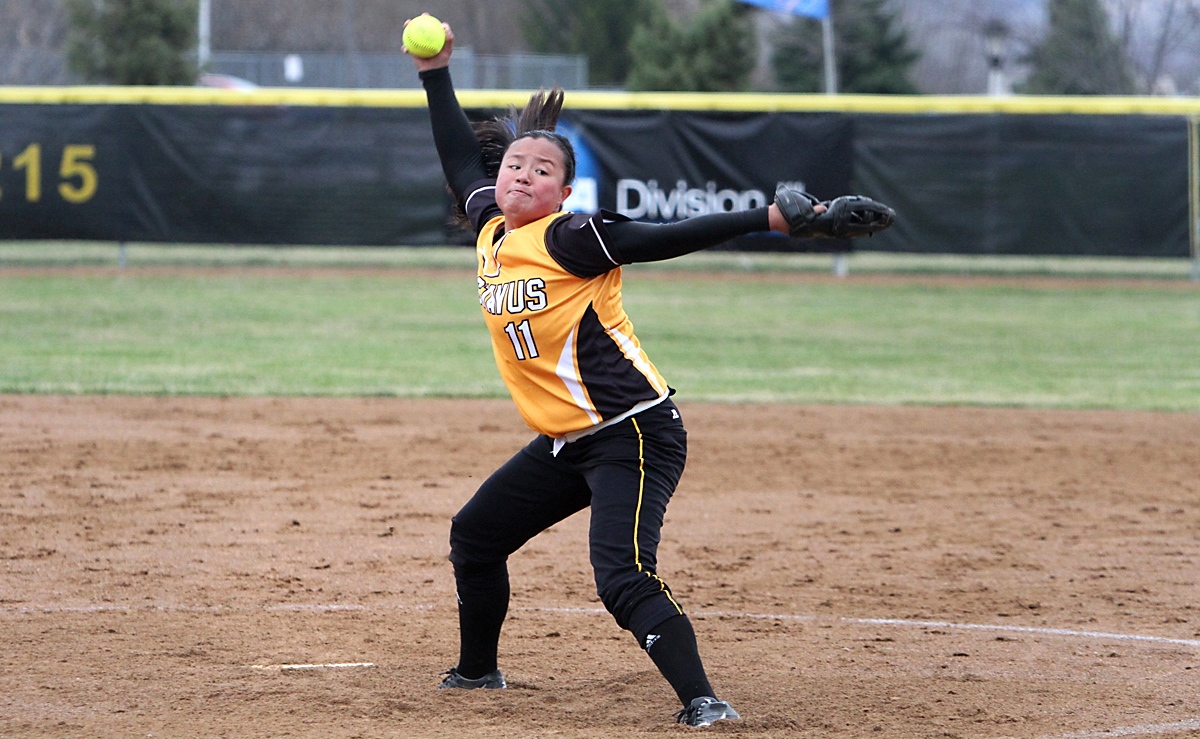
457, 147
653, 242
590, 245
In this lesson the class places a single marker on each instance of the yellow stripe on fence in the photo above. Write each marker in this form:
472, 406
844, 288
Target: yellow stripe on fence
608, 100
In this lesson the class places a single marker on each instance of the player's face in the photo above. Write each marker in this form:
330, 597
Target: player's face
530, 183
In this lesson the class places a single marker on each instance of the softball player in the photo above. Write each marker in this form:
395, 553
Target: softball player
609, 436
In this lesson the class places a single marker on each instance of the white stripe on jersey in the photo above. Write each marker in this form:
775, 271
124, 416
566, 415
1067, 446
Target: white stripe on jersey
602, 245
570, 376
467, 202
634, 354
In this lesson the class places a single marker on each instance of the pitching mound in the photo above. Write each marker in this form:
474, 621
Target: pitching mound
277, 567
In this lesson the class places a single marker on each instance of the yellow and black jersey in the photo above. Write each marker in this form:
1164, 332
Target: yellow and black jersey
550, 292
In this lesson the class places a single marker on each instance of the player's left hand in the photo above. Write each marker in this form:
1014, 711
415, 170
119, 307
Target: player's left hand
847, 217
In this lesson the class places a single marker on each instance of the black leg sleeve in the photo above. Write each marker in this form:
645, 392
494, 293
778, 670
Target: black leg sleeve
483, 594
672, 646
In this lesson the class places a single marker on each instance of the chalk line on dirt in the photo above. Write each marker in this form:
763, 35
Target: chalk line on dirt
311, 667
1186, 725
334, 608
977, 627
907, 622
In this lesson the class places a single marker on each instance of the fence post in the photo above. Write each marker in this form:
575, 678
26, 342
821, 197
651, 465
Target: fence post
841, 264
1194, 194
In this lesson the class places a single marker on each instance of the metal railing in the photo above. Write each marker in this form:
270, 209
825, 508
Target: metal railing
471, 70
33, 65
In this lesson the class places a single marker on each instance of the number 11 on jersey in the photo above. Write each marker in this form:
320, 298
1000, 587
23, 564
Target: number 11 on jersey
521, 336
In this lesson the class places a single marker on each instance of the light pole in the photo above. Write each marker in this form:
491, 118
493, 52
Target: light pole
831, 79
995, 34
204, 26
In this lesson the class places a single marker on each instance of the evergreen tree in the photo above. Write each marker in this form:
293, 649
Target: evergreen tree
133, 42
1079, 54
598, 29
716, 51
660, 61
871, 49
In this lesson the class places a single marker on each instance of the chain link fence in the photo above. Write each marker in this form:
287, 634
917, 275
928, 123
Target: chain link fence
33, 65
391, 71
43, 66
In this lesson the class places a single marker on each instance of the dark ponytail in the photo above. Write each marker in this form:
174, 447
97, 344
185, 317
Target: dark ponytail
538, 119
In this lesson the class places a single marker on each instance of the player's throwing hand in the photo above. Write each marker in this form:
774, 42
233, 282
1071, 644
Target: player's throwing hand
438, 60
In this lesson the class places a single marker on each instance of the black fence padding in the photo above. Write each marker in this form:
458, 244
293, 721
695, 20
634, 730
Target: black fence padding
1028, 184
362, 175
236, 174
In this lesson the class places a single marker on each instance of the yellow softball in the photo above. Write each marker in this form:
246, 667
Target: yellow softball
424, 36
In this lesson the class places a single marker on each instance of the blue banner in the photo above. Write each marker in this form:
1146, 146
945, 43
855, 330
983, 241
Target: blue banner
810, 8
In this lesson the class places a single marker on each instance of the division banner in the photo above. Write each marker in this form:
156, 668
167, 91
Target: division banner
665, 166
367, 175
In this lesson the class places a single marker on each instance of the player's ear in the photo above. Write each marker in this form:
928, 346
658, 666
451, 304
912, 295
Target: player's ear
566, 193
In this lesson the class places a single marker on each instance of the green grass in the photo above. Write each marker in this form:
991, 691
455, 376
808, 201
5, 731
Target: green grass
51, 253
1088, 347
242, 335
233, 331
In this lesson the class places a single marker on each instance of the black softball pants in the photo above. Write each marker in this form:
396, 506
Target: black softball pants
626, 473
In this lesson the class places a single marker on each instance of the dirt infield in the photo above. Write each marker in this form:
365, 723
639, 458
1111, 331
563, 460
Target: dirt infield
178, 567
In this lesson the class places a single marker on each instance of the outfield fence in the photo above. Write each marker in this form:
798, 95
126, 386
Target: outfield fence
991, 176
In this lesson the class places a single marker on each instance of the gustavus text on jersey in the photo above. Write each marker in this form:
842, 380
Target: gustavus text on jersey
513, 297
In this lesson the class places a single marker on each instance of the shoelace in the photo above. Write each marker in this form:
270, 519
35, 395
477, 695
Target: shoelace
687, 715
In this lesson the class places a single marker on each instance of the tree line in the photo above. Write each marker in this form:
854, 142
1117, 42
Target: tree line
640, 45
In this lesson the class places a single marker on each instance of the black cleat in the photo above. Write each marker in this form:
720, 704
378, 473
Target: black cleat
491, 681
704, 711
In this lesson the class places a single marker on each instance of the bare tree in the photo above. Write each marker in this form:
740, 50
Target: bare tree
1162, 36
32, 33
1159, 36
949, 34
